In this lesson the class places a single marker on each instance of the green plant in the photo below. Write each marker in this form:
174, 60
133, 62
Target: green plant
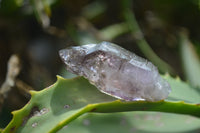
57, 106
74, 105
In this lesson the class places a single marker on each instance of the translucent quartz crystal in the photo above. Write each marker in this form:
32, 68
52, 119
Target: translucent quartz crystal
116, 71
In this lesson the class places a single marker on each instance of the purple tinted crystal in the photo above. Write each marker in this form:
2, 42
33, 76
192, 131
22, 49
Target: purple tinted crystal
116, 71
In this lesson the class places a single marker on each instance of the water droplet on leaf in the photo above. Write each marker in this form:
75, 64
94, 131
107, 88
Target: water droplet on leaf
44, 111
66, 106
86, 122
41, 112
34, 124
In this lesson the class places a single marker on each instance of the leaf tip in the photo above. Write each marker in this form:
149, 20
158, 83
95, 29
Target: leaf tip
14, 112
33, 92
59, 77
177, 78
166, 75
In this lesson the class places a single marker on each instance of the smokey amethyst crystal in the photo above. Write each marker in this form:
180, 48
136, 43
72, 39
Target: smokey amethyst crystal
116, 71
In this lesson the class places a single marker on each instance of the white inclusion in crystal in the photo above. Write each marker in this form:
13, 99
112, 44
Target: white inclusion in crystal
116, 71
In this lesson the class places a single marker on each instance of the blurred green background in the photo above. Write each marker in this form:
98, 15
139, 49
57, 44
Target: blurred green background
166, 32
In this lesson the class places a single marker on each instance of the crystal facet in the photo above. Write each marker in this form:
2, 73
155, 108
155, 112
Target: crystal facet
116, 71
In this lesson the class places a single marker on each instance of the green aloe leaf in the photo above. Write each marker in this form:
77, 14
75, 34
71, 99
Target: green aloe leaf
51, 109
182, 91
129, 122
48, 108
190, 60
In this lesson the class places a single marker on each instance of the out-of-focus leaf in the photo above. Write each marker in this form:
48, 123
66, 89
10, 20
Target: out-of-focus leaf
42, 11
191, 62
199, 3
9, 6
112, 31
94, 9
140, 40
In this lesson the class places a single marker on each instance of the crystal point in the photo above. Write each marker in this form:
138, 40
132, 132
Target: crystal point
116, 71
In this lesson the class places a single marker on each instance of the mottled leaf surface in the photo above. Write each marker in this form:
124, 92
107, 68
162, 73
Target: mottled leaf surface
133, 122
55, 107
